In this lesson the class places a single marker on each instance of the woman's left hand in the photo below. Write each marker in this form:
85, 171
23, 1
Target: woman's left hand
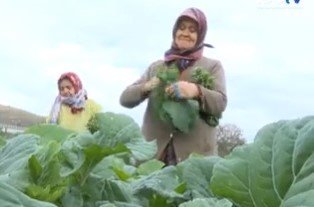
183, 90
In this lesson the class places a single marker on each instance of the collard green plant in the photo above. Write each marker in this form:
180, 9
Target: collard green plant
84, 169
275, 171
58, 165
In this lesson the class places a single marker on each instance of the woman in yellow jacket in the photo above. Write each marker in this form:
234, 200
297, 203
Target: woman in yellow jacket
72, 109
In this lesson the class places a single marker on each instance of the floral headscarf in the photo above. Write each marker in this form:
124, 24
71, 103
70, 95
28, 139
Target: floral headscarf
76, 102
187, 57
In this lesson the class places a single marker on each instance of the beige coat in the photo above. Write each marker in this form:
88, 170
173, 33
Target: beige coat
202, 138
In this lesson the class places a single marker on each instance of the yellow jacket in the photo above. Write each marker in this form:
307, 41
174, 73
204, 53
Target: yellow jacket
77, 122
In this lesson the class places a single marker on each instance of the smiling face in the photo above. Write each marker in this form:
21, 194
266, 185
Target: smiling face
186, 34
66, 88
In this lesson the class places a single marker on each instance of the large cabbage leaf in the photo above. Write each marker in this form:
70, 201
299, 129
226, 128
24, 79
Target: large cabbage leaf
182, 113
44, 168
49, 132
159, 188
196, 173
276, 170
116, 129
14, 155
10, 197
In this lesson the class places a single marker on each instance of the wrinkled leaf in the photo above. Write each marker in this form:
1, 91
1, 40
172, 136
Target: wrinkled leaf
276, 170
10, 197
71, 157
182, 114
159, 186
15, 154
93, 155
110, 190
196, 172
142, 150
44, 168
116, 129
73, 197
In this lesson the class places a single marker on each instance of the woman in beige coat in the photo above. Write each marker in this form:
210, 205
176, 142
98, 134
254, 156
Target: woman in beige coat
186, 53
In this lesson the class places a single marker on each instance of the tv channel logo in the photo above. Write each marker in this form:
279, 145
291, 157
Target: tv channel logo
279, 4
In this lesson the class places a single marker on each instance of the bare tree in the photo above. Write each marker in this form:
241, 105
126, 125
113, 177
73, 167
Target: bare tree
228, 137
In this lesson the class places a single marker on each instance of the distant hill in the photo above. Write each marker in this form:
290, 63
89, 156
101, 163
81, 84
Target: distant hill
15, 116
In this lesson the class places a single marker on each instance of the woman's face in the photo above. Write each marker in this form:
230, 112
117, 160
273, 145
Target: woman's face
186, 34
66, 88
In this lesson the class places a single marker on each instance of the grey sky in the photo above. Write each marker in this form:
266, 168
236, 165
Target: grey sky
265, 47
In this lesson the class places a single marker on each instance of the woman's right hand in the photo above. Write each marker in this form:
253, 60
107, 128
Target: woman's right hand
151, 84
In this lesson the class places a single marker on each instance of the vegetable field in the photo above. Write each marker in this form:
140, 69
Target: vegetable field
113, 166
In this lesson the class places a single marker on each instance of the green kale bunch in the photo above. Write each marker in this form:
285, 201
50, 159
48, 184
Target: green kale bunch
179, 114
204, 78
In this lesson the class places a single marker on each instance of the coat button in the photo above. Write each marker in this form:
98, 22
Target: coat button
171, 135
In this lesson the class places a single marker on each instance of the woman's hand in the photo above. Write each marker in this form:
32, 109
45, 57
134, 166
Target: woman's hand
183, 90
150, 85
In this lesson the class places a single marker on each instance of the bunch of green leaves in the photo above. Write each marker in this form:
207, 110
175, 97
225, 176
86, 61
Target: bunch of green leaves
204, 78
178, 113
166, 76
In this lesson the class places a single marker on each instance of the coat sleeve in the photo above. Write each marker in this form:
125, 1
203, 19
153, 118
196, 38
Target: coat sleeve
133, 95
215, 101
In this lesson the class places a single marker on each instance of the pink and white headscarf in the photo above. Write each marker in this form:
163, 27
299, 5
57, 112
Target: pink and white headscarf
76, 102
187, 57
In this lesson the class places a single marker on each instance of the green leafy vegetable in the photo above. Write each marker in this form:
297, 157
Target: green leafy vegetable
275, 171
11, 197
204, 78
181, 114
93, 170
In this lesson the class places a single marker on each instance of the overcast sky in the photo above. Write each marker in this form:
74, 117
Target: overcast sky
265, 46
